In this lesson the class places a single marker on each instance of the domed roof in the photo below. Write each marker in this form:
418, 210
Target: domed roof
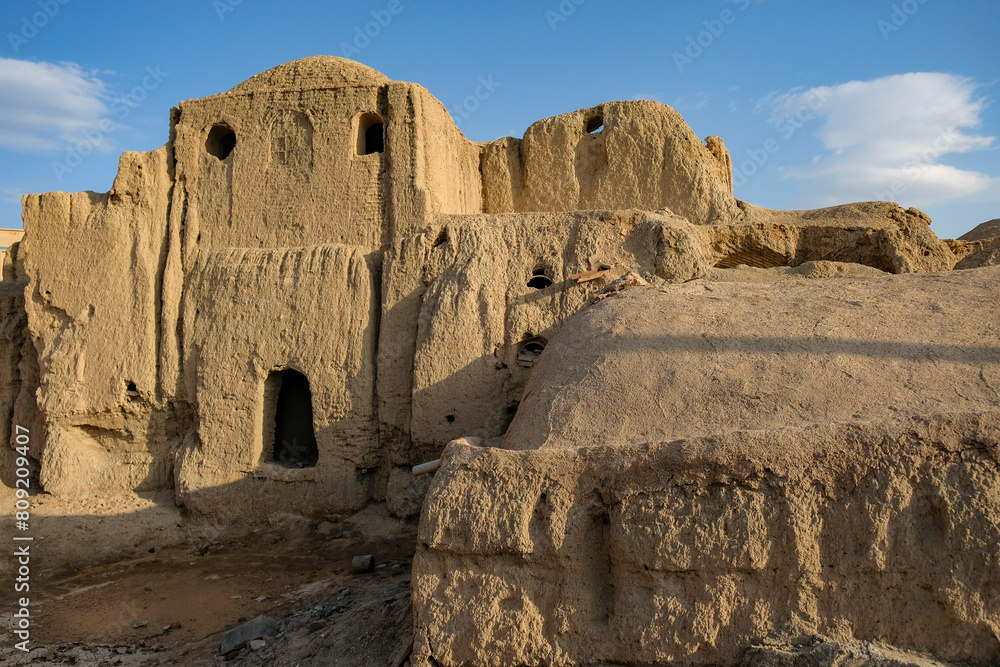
313, 72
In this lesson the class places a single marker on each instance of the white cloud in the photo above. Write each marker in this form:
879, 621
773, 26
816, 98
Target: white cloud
49, 106
886, 137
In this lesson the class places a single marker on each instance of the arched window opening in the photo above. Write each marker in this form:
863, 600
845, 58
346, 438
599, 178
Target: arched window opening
371, 137
529, 352
288, 420
539, 280
221, 141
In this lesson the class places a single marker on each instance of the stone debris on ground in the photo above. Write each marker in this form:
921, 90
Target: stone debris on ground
258, 628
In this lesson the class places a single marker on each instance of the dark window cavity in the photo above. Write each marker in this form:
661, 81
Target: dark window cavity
288, 420
221, 141
371, 137
539, 280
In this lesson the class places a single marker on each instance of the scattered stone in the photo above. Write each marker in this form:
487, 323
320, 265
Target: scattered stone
362, 564
238, 637
821, 655
257, 644
325, 528
816, 651
139, 624
406, 491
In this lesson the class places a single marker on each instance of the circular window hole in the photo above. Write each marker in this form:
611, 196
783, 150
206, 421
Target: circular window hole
539, 280
221, 141
595, 125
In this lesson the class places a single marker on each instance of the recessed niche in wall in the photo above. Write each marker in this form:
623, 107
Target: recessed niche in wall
221, 141
292, 141
758, 257
370, 134
539, 280
289, 438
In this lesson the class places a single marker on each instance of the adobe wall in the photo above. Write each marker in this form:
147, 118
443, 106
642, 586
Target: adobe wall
266, 236
293, 178
696, 467
13, 343
617, 155
93, 303
241, 323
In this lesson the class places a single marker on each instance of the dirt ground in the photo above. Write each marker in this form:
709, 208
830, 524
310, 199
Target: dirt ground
170, 589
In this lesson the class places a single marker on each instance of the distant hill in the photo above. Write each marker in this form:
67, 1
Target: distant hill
986, 230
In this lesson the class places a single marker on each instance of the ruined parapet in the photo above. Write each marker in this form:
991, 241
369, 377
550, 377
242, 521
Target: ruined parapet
617, 155
93, 302
881, 235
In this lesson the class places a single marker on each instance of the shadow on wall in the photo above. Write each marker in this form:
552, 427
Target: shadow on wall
133, 454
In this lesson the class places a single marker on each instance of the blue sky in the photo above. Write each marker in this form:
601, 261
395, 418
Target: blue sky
819, 103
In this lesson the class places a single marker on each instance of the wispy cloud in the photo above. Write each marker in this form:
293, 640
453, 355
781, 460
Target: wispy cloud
693, 102
10, 195
886, 138
48, 106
